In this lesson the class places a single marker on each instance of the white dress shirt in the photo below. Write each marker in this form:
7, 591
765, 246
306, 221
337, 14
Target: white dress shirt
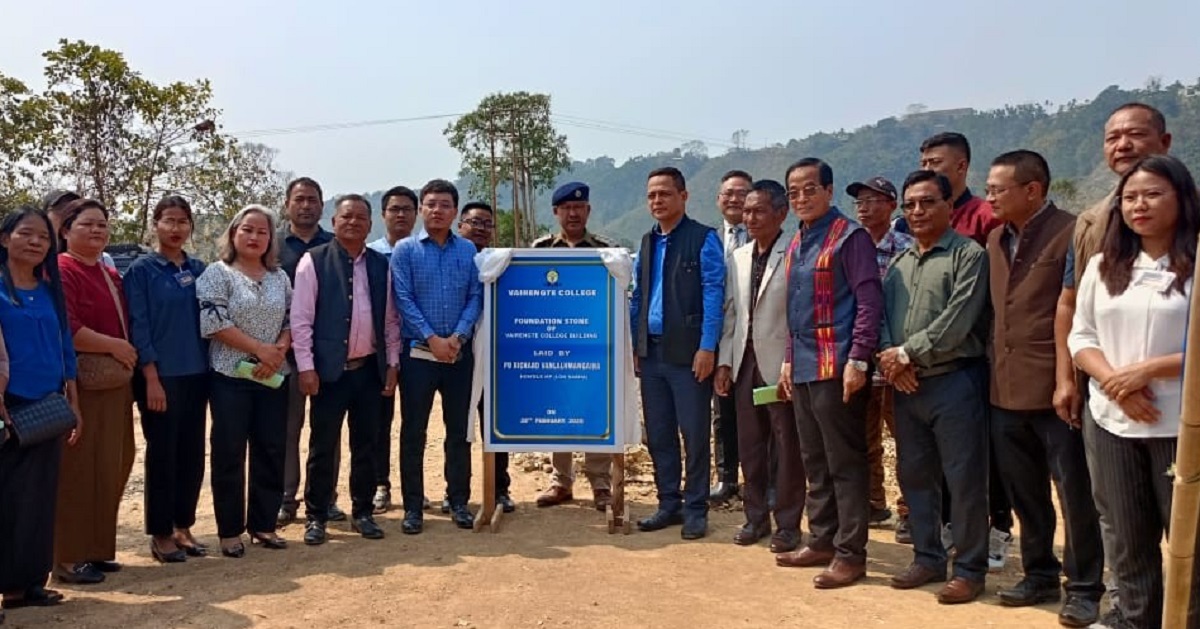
1143, 322
732, 236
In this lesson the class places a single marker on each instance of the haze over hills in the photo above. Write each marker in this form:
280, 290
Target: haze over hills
1069, 136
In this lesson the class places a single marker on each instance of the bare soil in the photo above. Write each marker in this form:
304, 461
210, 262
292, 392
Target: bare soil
554, 567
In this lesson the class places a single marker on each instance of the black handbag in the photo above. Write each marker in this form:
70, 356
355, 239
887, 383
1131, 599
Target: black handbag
48, 418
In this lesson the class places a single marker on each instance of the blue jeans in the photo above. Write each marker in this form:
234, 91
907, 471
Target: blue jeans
673, 403
942, 430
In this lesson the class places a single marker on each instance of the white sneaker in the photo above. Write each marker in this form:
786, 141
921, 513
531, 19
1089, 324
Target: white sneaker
947, 538
998, 543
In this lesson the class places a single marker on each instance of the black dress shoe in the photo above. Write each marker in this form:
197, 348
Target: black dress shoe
749, 534
505, 502
366, 527
336, 514
722, 492
694, 528
785, 541
414, 522
37, 596
1079, 611
286, 516
462, 517
175, 556
1029, 592
106, 566
660, 520
80, 574
314, 533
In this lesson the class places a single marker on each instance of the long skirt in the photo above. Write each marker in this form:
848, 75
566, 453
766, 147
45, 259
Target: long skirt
94, 472
28, 482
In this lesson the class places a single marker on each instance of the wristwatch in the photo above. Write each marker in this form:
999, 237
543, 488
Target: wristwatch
902, 356
860, 365
462, 338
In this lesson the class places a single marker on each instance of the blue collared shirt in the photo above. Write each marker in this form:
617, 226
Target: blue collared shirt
164, 316
712, 285
40, 353
436, 287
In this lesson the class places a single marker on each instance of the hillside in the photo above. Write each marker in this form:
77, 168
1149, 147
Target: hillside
1069, 136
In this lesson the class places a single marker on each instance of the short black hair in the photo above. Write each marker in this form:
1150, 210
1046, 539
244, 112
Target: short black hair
737, 174
398, 191
351, 197
673, 173
440, 186
303, 181
171, 201
1157, 119
953, 139
921, 176
1027, 166
477, 205
774, 191
824, 170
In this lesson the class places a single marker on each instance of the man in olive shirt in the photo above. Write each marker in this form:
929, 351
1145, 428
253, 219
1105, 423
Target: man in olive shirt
571, 209
933, 341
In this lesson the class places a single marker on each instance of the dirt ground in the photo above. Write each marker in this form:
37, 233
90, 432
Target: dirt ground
555, 567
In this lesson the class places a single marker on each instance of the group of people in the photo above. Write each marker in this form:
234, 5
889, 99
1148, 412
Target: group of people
961, 323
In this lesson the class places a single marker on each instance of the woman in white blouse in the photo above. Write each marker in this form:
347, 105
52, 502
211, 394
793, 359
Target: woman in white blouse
244, 301
1128, 335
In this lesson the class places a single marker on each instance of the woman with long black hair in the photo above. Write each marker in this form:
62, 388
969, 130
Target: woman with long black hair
1128, 335
33, 321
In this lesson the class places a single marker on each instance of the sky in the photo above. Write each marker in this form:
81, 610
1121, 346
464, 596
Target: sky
699, 69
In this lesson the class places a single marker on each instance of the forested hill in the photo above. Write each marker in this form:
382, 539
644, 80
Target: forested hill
1069, 136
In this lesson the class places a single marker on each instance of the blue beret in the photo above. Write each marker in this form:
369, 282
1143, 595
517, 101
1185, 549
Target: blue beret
574, 191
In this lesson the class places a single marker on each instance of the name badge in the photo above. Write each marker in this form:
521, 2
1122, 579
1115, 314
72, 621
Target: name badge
1158, 280
185, 279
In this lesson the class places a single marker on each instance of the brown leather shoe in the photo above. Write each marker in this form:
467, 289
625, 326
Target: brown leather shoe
916, 575
556, 495
804, 558
602, 498
960, 590
839, 574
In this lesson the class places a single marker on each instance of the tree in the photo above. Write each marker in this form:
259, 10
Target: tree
104, 130
694, 148
738, 139
510, 137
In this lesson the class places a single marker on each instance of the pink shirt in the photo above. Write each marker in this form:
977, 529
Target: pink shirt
362, 330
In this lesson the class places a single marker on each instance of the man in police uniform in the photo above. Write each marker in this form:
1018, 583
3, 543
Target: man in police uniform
571, 208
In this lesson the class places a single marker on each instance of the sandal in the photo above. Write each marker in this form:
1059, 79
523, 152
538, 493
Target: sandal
233, 551
189, 545
268, 540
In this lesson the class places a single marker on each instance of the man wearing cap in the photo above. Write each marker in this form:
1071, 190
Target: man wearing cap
874, 203
571, 209
53, 203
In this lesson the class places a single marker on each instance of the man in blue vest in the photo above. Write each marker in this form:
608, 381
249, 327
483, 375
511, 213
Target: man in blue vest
346, 337
676, 312
834, 306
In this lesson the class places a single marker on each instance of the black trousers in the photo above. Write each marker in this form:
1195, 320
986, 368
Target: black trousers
174, 452
1034, 450
383, 442
355, 395
725, 437
942, 432
247, 413
833, 445
503, 480
1134, 490
422, 380
28, 483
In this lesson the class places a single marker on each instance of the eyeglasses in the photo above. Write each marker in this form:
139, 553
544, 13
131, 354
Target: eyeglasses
924, 202
734, 194
478, 223
995, 191
807, 191
401, 209
446, 206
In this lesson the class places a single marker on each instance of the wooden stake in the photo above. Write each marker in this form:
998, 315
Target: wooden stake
1185, 501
